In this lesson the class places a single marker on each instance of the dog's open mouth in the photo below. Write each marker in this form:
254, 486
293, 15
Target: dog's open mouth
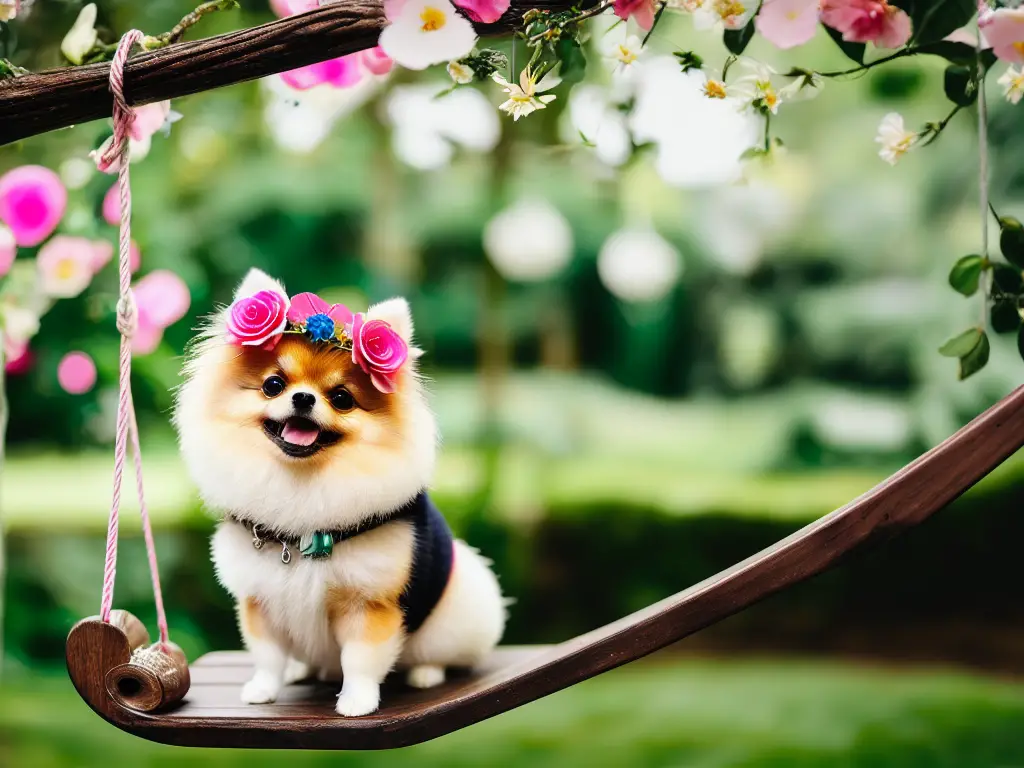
298, 437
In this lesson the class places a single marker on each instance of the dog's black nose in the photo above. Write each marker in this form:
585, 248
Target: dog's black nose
303, 401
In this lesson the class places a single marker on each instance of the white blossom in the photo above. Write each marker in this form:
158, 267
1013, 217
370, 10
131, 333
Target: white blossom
894, 137
427, 32
81, 38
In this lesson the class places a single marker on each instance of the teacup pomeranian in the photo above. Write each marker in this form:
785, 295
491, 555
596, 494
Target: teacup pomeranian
306, 426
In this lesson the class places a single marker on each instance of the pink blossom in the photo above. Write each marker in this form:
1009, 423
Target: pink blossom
32, 202
149, 118
8, 249
305, 305
867, 21
258, 321
788, 23
483, 11
18, 357
290, 7
641, 11
342, 72
102, 253
112, 206
379, 351
162, 297
1004, 30
76, 373
66, 266
147, 337
375, 61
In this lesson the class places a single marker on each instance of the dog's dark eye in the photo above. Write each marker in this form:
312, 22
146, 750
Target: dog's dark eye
273, 386
342, 400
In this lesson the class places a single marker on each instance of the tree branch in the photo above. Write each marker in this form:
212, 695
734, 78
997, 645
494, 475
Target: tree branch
37, 103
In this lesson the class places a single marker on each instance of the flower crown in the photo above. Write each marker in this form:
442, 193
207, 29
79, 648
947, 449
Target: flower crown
262, 319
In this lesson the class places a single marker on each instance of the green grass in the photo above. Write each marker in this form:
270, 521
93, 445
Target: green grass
694, 713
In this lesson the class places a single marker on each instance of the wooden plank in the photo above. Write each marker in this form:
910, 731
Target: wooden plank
507, 681
44, 101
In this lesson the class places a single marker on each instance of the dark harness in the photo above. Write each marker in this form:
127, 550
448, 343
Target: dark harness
432, 554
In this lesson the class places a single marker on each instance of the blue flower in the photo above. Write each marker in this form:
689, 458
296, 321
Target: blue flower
320, 327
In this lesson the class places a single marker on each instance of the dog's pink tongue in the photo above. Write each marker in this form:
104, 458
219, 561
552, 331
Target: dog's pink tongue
299, 433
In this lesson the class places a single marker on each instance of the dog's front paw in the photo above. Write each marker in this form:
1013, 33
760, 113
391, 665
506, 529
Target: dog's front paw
425, 676
358, 697
262, 689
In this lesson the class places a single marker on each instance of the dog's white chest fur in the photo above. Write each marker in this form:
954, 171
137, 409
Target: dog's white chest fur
294, 596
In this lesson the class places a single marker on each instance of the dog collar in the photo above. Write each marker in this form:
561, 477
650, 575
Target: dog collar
317, 545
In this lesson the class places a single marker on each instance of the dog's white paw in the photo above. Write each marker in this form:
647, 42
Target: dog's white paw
358, 697
296, 671
262, 689
425, 676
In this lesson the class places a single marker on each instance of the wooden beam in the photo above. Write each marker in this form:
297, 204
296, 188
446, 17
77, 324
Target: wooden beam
44, 101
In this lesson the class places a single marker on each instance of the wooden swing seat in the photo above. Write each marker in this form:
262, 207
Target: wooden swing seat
212, 714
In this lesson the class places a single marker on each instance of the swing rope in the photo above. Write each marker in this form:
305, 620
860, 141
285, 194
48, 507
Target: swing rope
127, 322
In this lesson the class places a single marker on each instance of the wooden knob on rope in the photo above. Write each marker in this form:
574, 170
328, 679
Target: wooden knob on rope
156, 676
114, 667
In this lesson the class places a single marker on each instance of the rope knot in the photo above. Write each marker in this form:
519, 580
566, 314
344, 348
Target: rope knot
127, 315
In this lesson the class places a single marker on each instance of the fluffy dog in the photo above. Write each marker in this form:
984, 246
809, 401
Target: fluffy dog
329, 544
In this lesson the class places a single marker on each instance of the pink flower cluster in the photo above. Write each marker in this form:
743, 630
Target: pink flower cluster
260, 321
342, 72
789, 23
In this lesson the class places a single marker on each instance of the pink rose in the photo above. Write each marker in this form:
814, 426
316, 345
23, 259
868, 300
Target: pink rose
8, 250
379, 351
375, 61
19, 357
76, 373
258, 321
788, 23
32, 202
290, 7
342, 72
149, 118
642, 11
484, 11
112, 206
1004, 30
867, 21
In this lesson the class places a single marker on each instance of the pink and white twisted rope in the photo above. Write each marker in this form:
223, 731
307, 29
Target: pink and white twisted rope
127, 322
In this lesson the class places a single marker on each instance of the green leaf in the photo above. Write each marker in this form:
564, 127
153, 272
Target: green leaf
854, 51
1020, 342
1008, 279
965, 274
688, 60
1011, 240
961, 87
1005, 316
934, 19
574, 63
736, 40
958, 53
962, 345
976, 359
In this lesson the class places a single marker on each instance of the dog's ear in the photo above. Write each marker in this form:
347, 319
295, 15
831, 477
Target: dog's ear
255, 281
396, 313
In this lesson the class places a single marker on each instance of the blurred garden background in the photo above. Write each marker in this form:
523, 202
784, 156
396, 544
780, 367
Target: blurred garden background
647, 365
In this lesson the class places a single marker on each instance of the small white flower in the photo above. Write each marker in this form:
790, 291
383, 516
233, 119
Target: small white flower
756, 89
427, 32
523, 98
624, 52
688, 6
81, 38
460, 73
894, 137
723, 14
715, 89
1013, 84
